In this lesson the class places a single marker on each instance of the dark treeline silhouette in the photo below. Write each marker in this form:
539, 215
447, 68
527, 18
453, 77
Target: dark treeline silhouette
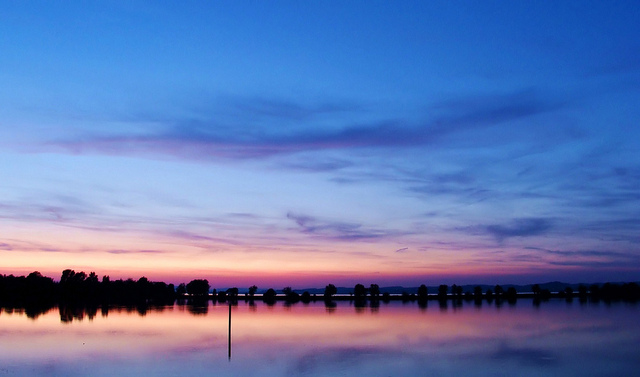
80, 288
78, 294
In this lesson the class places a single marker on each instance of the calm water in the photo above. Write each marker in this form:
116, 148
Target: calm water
395, 339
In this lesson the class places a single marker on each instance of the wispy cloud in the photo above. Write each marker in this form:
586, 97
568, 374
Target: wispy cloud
191, 236
123, 251
320, 164
593, 259
336, 230
527, 227
215, 135
585, 253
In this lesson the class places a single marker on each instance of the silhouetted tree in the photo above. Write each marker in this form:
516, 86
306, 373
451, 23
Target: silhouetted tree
270, 294
535, 289
198, 287
406, 296
626, 291
143, 287
292, 296
498, 290
182, 289
287, 290
93, 285
72, 285
489, 294
330, 290
423, 291
477, 292
631, 291
374, 290
443, 289
252, 290
582, 291
511, 294
359, 291
232, 292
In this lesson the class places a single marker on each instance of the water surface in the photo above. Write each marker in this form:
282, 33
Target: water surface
555, 338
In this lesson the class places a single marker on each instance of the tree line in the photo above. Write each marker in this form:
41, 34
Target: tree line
79, 287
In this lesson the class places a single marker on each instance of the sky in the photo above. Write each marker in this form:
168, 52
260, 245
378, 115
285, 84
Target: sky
289, 143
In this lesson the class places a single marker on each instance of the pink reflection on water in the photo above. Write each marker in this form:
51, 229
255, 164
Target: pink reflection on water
308, 339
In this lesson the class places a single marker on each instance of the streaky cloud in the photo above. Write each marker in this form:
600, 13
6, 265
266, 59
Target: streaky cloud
526, 227
207, 138
335, 230
123, 251
198, 237
586, 253
621, 265
315, 165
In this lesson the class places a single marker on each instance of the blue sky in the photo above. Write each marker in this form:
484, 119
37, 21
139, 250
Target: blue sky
389, 142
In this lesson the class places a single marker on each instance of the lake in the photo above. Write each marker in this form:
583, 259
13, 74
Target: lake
554, 338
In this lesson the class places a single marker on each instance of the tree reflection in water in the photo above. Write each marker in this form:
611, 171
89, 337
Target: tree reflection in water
326, 338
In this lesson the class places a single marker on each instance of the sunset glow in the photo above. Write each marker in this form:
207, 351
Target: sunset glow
287, 144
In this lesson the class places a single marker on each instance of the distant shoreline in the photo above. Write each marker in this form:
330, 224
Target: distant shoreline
80, 288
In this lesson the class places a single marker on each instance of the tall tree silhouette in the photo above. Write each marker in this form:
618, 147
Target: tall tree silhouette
442, 291
198, 287
269, 296
330, 290
374, 290
359, 291
423, 291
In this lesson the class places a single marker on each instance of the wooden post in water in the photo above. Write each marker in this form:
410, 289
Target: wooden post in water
229, 330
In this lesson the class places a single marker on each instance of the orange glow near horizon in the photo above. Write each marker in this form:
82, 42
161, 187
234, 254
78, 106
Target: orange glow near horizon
165, 258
